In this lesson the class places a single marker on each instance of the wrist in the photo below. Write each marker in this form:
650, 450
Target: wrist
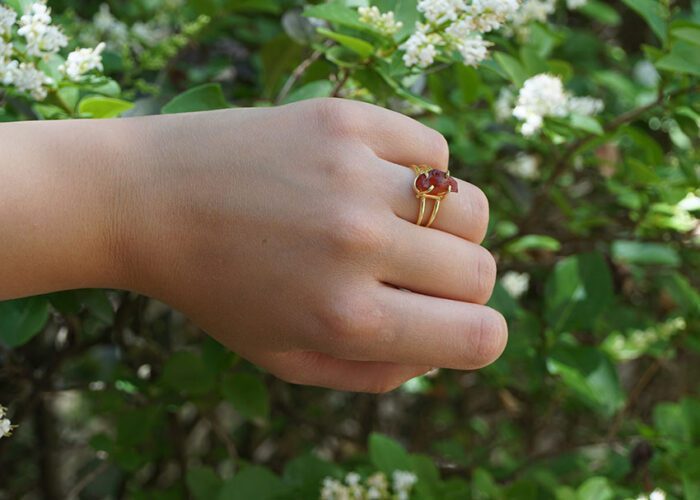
61, 207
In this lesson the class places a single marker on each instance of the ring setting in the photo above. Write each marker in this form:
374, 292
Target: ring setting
432, 184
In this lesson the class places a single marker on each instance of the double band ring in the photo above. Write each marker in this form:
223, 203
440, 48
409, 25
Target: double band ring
431, 184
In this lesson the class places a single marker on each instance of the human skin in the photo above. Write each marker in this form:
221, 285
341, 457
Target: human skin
286, 233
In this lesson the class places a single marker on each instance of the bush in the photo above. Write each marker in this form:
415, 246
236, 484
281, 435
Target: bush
579, 119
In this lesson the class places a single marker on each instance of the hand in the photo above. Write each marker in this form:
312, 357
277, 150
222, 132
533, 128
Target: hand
289, 235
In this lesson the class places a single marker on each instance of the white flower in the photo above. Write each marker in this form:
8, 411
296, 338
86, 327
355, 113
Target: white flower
532, 11
379, 481
420, 48
352, 479
544, 95
27, 78
471, 46
109, 26
441, 11
332, 489
690, 203
6, 50
541, 96
7, 20
403, 482
657, 494
516, 284
5, 424
35, 27
489, 15
503, 107
148, 34
645, 73
82, 61
576, 4
587, 106
524, 166
473, 50
8, 71
384, 23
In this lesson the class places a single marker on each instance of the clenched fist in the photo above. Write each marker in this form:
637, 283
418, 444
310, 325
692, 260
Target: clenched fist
289, 234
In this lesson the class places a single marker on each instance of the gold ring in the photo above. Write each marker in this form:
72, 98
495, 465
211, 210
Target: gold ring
432, 184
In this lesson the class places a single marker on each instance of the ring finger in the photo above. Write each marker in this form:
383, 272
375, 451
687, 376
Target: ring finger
438, 264
464, 214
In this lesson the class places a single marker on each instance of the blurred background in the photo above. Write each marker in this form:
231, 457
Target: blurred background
594, 226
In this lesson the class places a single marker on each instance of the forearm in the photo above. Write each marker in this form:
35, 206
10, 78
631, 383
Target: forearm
61, 193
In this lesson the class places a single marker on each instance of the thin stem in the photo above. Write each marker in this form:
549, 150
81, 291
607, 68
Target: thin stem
340, 84
297, 74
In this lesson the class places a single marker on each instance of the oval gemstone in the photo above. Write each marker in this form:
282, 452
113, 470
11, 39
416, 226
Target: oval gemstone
441, 180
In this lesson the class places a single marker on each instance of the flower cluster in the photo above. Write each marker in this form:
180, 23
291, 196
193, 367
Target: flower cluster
28, 41
375, 487
82, 61
532, 11
544, 96
455, 26
384, 23
6, 426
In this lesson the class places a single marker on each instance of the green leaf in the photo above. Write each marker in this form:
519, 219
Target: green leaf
654, 12
98, 303
202, 98
405, 94
337, 13
601, 12
469, 82
596, 488
185, 372
590, 374
103, 107
388, 455
684, 59
247, 393
587, 124
534, 242
319, 88
203, 483
671, 424
577, 292
252, 482
428, 476
360, 47
512, 67
688, 32
639, 252
22, 319
306, 472
683, 293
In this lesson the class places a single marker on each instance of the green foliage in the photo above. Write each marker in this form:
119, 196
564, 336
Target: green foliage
594, 223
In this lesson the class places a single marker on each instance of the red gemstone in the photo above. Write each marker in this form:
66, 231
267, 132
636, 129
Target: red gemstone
439, 179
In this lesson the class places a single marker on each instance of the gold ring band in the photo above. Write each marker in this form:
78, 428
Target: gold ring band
431, 184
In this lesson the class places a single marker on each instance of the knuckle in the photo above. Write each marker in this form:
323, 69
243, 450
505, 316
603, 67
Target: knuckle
355, 231
337, 117
491, 338
352, 322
